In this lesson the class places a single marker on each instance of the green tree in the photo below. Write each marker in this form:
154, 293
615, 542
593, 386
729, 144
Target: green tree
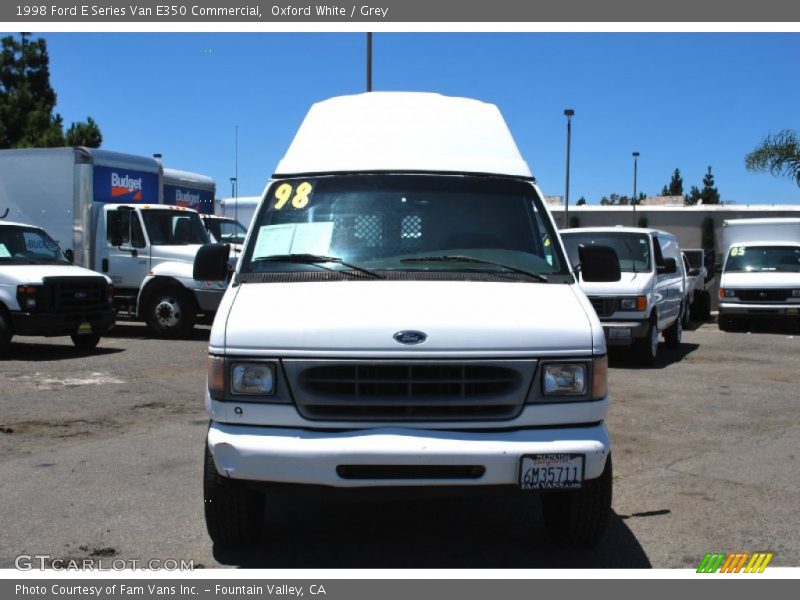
581, 201
778, 155
675, 187
693, 197
709, 194
27, 99
84, 134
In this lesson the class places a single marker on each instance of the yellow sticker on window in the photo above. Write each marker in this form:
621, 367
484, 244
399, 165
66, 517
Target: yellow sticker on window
299, 196
737, 251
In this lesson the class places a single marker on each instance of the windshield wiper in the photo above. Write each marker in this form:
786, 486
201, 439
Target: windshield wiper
472, 259
633, 258
316, 259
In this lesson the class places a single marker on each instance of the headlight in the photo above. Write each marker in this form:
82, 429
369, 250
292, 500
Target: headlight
253, 379
564, 379
27, 296
727, 293
637, 303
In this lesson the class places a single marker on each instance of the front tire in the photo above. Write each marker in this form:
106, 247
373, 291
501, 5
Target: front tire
170, 312
727, 323
85, 342
646, 348
5, 335
234, 513
578, 518
674, 333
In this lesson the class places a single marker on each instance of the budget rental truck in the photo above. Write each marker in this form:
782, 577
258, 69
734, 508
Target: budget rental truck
106, 212
403, 315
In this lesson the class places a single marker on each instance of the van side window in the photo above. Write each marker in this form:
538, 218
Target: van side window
128, 221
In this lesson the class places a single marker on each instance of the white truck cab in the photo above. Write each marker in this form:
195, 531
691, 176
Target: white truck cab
761, 271
42, 294
403, 315
649, 298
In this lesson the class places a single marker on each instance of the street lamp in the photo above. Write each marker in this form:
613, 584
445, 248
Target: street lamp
635, 169
568, 112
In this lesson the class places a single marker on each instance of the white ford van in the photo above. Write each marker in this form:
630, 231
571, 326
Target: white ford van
648, 299
403, 315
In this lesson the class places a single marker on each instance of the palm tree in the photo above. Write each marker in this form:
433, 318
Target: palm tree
777, 154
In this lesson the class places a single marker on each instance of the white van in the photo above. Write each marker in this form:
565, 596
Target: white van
648, 299
761, 273
403, 314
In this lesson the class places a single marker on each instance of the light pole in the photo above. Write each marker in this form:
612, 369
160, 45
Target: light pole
369, 61
568, 112
635, 169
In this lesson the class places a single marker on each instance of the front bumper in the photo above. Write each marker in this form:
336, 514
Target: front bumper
55, 324
623, 333
759, 310
300, 456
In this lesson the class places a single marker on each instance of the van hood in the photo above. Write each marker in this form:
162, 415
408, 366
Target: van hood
630, 284
760, 279
357, 318
34, 274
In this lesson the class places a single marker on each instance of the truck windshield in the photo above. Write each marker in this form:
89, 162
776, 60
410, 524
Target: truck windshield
405, 223
27, 245
633, 249
763, 258
174, 228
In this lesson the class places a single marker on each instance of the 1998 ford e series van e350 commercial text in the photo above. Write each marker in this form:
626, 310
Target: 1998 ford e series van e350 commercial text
403, 315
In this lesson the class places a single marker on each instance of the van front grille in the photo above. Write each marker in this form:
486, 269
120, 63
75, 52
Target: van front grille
764, 295
604, 307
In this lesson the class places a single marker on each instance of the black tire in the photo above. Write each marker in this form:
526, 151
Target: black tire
674, 333
727, 323
85, 342
5, 335
687, 315
170, 312
578, 518
234, 513
703, 302
646, 348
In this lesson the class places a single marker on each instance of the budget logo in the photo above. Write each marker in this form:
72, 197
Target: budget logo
126, 186
736, 562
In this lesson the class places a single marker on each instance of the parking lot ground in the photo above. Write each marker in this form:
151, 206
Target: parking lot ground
102, 458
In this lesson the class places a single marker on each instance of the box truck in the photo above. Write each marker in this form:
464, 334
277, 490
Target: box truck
404, 315
105, 210
761, 271
190, 190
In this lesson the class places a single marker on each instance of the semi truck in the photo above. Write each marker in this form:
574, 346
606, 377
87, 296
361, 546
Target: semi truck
761, 271
106, 211
403, 315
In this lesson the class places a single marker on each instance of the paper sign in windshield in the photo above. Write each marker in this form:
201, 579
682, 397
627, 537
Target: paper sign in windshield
4, 253
294, 238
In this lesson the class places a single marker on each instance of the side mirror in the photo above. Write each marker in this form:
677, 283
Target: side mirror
669, 266
598, 263
694, 272
69, 254
211, 262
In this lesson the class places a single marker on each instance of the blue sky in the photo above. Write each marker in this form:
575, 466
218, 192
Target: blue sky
682, 100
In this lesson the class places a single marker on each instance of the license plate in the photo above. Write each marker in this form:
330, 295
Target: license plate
619, 333
84, 328
551, 471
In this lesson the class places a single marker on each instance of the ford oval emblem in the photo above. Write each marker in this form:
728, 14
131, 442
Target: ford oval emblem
410, 337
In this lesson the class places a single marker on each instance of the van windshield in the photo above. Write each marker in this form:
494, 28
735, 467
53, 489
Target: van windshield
763, 258
174, 227
27, 245
404, 223
633, 249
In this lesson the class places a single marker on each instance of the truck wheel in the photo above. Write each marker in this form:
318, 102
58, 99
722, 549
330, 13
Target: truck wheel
578, 518
674, 333
727, 323
686, 316
5, 335
234, 513
704, 307
646, 348
85, 342
170, 312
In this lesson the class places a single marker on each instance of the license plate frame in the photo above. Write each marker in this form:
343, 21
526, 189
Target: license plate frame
552, 471
620, 334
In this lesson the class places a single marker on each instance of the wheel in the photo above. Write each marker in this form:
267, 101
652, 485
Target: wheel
704, 306
234, 513
5, 335
674, 333
646, 348
686, 315
170, 312
578, 518
85, 342
727, 323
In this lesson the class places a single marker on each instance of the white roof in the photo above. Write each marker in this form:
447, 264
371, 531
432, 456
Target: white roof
611, 229
403, 131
